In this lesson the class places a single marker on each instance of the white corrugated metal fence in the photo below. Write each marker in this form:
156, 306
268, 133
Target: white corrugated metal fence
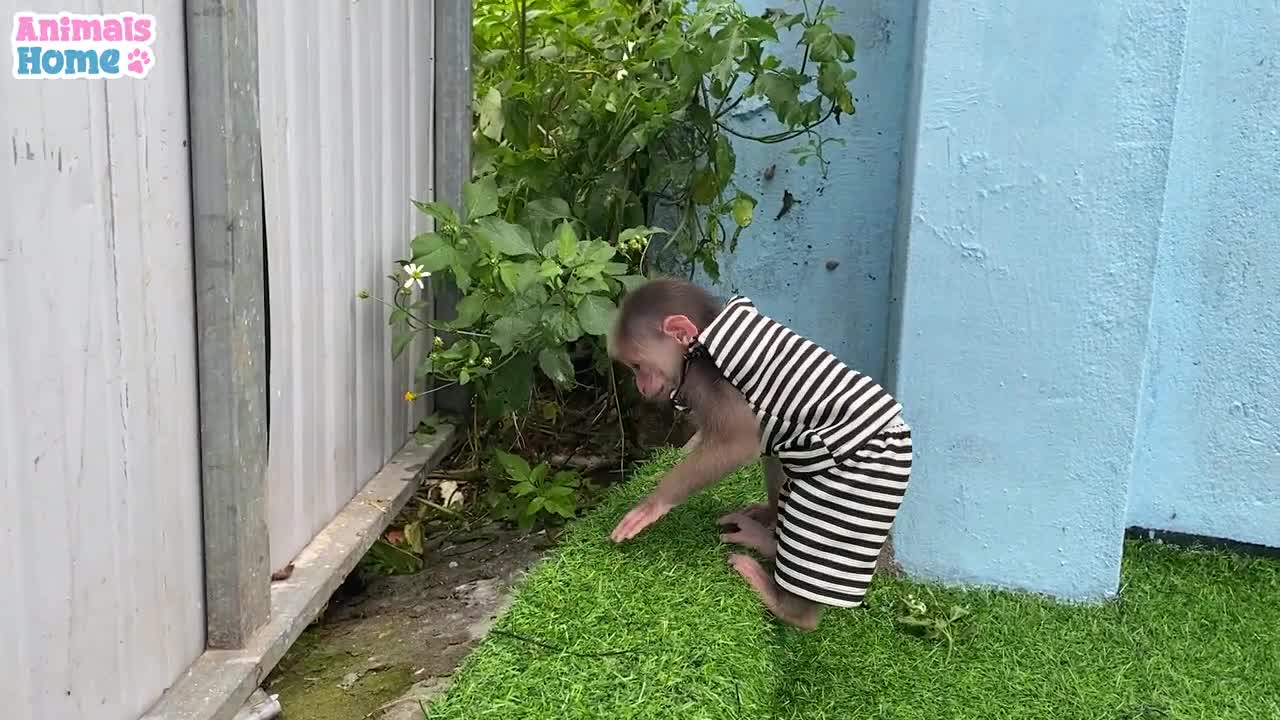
101, 566
101, 580
346, 144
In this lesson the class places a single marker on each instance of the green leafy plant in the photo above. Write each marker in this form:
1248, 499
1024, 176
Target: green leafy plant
385, 558
604, 140
623, 107
530, 290
936, 625
535, 493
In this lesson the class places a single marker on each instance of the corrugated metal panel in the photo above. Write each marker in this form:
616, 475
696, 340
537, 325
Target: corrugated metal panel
101, 589
346, 140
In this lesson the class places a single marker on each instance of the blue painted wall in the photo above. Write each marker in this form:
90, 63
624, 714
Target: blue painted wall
1028, 243
848, 217
1208, 439
1055, 233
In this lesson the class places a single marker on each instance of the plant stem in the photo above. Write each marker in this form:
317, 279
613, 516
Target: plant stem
522, 22
778, 137
622, 427
424, 323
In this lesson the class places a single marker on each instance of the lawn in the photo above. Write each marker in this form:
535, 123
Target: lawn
662, 628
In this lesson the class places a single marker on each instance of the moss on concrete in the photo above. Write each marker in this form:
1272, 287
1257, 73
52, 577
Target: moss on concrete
319, 679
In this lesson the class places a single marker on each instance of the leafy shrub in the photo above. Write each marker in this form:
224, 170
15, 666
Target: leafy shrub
535, 492
593, 118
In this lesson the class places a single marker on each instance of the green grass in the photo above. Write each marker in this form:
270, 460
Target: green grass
1194, 634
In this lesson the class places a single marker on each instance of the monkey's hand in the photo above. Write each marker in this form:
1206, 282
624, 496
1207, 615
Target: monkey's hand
640, 517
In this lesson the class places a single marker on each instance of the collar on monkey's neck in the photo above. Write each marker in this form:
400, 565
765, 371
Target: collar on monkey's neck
692, 352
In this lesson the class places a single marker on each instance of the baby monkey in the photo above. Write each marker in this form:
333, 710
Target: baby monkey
837, 454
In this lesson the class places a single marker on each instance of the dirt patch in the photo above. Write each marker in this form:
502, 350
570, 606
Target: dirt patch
376, 641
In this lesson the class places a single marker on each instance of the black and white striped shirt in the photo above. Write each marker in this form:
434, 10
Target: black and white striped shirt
814, 410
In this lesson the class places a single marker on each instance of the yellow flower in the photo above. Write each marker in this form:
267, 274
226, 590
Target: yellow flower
487, 361
410, 395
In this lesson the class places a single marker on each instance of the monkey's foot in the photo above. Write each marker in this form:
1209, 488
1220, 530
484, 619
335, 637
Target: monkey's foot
750, 533
794, 611
760, 512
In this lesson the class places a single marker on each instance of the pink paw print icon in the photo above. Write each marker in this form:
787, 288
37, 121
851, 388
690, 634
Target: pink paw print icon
139, 59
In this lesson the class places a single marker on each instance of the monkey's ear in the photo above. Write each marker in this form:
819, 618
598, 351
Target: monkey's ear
680, 328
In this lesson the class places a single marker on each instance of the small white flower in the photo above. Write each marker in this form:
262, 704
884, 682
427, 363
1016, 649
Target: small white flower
416, 274
621, 74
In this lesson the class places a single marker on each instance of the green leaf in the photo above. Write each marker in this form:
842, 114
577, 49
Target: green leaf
706, 186
563, 324
641, 232
439, 211
711, 267
519, 277
549, 269
743, 208
560, 507
615, 268
599, 252
523, 488
507, 238
511, 385
398, 317
426, 367
634, 140
545, 211
515, 465
539, 473
550, 52
469, 309
536, 504
399, 343
567, 478
726, 161
550, 410
479, 198
413, 536
555, 364
509, 330
595, 313
631, 282
590, 271
587, 285
566, 242
825, 45
427, 243
433, 252
491, 120
782, 92
464, 376
460, 275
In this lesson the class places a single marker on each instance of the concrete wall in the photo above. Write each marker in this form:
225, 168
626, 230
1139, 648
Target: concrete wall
847, 217
1033, 206
1208, 438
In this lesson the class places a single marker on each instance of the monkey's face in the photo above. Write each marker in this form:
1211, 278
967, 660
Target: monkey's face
656, 364
656, 357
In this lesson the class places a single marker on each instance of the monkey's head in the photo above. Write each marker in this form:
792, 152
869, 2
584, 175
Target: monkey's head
653, 328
